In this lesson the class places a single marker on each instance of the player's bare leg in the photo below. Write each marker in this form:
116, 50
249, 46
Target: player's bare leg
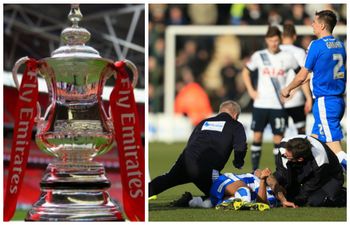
314, 135
336, 147
231, 189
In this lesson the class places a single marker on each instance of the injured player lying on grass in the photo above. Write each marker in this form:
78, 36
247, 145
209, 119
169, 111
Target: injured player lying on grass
238, 192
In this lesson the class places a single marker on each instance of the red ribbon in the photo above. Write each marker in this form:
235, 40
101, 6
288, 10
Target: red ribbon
130, 148
24, 121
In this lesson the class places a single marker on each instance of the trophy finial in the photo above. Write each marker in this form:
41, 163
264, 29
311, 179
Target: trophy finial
75, 15
75, 38
75, 35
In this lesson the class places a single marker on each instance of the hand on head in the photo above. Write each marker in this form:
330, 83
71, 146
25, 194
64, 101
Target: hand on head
265, 173
262, 174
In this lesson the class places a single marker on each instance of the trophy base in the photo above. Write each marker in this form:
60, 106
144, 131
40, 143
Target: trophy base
75, 193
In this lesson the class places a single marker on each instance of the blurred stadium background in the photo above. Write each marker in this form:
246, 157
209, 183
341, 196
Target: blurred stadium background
117, 32
197, 52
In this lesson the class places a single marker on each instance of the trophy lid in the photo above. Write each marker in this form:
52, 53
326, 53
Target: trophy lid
74, 38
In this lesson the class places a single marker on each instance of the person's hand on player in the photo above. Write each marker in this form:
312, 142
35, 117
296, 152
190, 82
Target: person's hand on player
287, 204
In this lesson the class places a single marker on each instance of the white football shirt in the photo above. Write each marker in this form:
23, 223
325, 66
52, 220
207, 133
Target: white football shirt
297, 97
272, 76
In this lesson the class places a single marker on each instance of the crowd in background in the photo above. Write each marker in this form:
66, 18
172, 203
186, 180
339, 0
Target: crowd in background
215, 62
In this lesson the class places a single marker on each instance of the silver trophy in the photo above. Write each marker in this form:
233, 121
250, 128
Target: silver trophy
75, 129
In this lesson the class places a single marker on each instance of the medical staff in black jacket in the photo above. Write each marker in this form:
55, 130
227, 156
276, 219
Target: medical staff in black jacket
310, 173
208, 149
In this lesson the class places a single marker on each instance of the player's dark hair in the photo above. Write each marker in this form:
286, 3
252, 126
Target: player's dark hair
329, 18
289, 30
300, 148
273, 31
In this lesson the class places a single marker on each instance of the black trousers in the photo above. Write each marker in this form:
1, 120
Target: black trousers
185, 170
332, 194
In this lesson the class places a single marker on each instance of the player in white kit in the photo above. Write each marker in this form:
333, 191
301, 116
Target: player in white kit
299, 104
273, 66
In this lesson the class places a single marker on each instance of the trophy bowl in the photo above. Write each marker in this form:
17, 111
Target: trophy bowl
75, 126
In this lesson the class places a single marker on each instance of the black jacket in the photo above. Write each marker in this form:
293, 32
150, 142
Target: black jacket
213, 139
302, 179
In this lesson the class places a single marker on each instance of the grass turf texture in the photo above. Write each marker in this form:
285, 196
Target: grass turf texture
162, 156
20, 214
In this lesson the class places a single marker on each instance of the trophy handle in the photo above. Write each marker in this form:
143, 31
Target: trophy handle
135, 74
19, 63
134, 70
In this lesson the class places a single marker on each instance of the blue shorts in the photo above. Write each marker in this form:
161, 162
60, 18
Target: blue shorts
328, 112
217, 190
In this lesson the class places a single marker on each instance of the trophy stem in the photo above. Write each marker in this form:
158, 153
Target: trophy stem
75, 193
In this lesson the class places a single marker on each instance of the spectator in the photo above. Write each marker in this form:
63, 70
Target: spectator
253, 14
236, 12
232, 87
192, 100
158, 51
155, 85
203, 14
298, 15
305, 41
274, 18
176, 16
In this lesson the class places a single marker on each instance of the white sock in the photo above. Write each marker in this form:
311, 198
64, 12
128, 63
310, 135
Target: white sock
207, 203
341, 155
197, 202
231, 198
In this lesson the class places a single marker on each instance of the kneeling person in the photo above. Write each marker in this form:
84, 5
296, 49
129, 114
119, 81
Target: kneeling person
310, 172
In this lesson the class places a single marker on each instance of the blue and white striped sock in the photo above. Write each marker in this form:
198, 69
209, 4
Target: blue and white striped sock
244, 194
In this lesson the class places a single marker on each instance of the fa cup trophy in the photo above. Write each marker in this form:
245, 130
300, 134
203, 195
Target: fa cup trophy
75, 128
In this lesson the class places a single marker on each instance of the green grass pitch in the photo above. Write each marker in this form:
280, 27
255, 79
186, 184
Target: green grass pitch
20, 214
162, 156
